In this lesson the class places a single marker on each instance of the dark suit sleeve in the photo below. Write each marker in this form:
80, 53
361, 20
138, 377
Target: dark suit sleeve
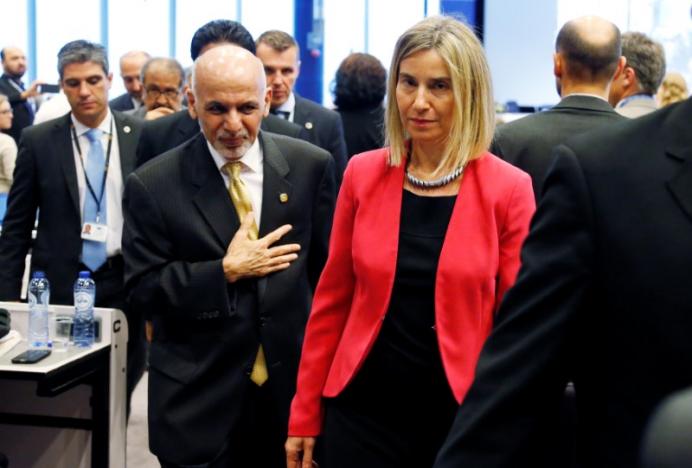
19, 221
524, 365
322, 216
154, 279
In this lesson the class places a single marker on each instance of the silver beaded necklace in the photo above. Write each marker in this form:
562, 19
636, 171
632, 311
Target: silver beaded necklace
431, 184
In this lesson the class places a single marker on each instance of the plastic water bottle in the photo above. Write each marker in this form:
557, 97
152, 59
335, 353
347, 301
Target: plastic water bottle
39, 298
84, 298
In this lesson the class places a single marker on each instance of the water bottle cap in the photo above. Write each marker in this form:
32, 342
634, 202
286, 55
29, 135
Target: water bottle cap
84, 274
38, 274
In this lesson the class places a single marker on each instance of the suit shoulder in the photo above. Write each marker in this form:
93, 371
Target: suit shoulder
290, 146
319, 109
165, 165
501, 170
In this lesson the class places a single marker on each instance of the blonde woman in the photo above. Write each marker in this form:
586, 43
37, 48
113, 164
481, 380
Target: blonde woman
425, 242
673, 89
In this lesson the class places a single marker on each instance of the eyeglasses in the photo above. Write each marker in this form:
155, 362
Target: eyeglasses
155, 92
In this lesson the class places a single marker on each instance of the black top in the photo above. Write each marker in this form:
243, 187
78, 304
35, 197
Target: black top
405, 360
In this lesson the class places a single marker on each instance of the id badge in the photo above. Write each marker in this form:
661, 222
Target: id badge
94, 232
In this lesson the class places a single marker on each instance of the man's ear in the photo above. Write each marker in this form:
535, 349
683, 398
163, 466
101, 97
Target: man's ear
110, 80
557, 65
191, 104
622, 64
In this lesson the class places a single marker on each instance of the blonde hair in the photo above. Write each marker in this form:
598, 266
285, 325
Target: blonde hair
673, 89
474, 110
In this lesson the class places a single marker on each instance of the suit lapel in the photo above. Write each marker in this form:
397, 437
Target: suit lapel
276, 195
127, 144
301, 115
211, 197
61, 138
679, 146
276, 190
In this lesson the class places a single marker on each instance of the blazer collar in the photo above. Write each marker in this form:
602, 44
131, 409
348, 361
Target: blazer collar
579, 101
209, 191
276, 189
128, 138
679, 146
61, 140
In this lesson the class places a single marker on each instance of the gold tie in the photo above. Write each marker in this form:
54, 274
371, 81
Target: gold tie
243, 205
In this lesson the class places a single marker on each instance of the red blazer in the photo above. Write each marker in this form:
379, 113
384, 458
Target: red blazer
478, 263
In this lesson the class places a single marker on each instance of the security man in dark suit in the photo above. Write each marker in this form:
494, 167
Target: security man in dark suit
225, 237
280, 55
603, 295
72, 170
160, 135
11, 85
587, 58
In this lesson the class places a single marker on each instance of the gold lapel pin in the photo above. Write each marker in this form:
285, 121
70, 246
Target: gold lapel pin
283, 197
308, 125
126, 129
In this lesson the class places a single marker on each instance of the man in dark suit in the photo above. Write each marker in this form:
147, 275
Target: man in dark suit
131, 65
587, 58
59, 172
21, 99
160, 135
280, 55
603, 295
229, 299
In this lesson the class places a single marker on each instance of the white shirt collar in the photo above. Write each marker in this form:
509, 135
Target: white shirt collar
104, 126
252, 159
288, 106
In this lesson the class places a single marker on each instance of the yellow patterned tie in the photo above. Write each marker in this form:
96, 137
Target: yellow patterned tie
243, 205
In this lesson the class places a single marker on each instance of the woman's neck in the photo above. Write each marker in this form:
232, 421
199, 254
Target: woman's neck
425, 158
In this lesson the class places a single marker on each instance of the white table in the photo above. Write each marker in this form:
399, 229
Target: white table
67, 410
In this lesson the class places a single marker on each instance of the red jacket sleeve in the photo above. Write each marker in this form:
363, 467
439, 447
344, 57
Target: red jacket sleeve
330, 308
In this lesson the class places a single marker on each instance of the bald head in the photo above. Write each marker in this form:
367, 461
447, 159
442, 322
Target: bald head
131, 64
228, 63
590, 48
229, 98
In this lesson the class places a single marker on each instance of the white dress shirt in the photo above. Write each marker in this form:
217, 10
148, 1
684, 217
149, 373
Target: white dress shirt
114, 180
251, 173
289, 106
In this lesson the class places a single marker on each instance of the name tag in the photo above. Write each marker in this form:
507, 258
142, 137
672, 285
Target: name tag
94, 232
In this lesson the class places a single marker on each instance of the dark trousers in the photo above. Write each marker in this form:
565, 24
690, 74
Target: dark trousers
259, 440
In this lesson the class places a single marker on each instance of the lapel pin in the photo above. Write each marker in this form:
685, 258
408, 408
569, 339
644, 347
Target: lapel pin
126, 129
308, 125
283, 197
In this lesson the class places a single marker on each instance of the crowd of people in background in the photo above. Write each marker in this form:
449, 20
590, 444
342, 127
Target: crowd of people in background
396, 282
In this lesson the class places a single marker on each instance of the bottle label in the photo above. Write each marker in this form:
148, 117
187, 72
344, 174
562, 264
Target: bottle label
83, 300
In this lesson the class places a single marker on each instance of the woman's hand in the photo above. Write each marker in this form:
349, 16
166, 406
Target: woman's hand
299, 452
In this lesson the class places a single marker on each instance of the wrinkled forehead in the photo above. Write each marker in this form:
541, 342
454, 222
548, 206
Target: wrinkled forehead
228, 71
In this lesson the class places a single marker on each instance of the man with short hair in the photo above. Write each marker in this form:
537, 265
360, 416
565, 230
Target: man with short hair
225, 237
162, 88
160, 135
633, 91
131, 64
587, 58
21, 99
71, 169
280, 54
